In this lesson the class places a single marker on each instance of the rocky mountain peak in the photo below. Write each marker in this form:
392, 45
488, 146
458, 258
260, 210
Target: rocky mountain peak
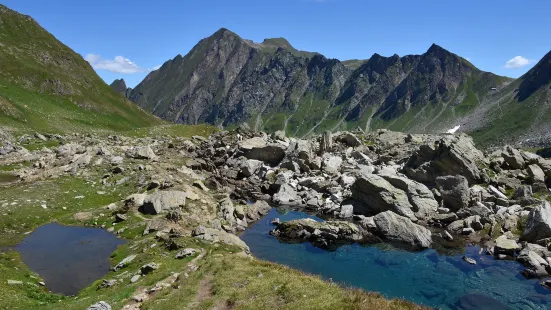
119, 85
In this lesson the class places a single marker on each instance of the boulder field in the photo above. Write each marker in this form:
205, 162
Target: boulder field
410, 190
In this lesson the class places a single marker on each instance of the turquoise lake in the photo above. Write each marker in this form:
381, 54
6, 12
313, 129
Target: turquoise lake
427, 277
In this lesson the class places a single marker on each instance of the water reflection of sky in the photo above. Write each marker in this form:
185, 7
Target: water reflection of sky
68, 258
424, 277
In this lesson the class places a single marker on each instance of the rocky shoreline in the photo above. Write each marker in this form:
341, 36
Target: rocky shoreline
404, 189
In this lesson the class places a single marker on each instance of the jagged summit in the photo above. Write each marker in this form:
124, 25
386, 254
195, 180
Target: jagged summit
119, 85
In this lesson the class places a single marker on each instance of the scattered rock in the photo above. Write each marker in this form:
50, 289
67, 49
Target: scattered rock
102, 305
185, 253
123, 263
148, 268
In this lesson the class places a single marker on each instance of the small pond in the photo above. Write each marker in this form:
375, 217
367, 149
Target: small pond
68, 258
427, 277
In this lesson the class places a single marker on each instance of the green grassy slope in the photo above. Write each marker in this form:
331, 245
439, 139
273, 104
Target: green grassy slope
46, 86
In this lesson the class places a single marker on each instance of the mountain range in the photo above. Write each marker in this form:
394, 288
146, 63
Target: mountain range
226, 80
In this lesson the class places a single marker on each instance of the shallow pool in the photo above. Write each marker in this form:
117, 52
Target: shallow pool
426, 277
68, 258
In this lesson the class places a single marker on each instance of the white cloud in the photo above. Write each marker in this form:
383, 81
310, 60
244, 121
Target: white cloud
517, 62
157, 67
468, 58
118, 65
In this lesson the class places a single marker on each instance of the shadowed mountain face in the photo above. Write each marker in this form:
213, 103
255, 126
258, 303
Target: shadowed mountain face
47, 86
226, 80
119, 86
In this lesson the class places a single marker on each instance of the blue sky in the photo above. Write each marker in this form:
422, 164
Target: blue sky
132, 37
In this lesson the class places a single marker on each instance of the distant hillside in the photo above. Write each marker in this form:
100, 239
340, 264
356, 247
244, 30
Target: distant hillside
46, 86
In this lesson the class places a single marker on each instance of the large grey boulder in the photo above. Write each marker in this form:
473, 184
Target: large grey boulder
352, 140
513, 158
102, 305
455, 191
215, 235
451, 155
331, 163
286, 196
504, 245
257, 148
420, 196
256, 210
396, 228
536, 174
248, 167
538, 225
378, 195
162, 201
141, 152
536, 265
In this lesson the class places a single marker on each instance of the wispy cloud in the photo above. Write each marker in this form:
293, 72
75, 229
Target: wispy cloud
119, 64
517, 62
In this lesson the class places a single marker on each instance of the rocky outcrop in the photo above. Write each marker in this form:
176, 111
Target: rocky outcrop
257, 148
216, 235
538, 225
378, 195
451, 155
419, 195
321, 234
398, 229
141, 152
455, 191
162, 201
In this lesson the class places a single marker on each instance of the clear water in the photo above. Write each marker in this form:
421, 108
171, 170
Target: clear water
68, 258
429, 278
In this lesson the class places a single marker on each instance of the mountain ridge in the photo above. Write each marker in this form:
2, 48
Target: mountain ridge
226, 80
47, 86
